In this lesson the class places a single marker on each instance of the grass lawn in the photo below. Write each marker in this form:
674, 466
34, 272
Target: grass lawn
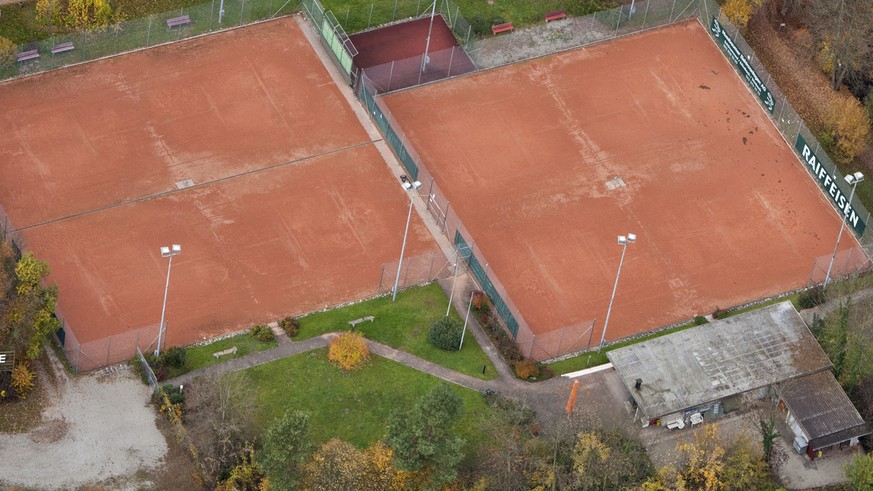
404, 325
201, 356
593, 358
357, 15
353, 406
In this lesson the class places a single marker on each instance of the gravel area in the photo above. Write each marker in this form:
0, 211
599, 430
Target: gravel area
97, 428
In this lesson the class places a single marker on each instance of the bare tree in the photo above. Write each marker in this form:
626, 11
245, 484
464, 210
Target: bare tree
221, 419
845, 28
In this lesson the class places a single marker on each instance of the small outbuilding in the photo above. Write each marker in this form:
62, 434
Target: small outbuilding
705, 371
820, 414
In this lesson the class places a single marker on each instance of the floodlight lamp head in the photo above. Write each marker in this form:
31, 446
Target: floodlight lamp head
622, 240
406, 185
416, 185
165, 251
177, 249
631, 238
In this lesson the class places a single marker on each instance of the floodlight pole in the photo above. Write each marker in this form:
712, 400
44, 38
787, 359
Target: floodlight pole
220, 11
410, 187
852, 179
466, 318
623, 241
174, 250
427, 44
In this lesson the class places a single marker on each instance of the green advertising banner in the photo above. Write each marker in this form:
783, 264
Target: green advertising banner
742, 63
827, 182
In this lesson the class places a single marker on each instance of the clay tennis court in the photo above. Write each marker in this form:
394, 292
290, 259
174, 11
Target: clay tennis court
391, 56
292, 208
527, 156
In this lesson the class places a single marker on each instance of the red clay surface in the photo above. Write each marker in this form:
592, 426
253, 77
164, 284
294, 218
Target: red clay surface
404, 44
723, 210
256, 246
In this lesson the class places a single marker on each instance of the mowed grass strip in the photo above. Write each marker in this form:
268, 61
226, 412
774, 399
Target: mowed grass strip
354, 406
404, 325
202, 356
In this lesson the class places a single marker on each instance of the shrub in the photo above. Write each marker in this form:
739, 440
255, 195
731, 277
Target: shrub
262, 333
811, 297
172, 357
174, 394
849, 126
22, 380
700, 320
718, 313
445, 333
348, 350
7, 52
290, 325
526, 369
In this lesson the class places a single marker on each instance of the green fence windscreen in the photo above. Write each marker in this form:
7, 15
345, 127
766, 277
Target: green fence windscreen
487, 286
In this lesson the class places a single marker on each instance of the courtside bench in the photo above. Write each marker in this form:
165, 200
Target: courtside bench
178, 21
556, 15
60, 48
498, 28
27, 55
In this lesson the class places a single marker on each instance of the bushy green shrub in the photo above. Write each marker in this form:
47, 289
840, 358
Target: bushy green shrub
718, 313
445, 333
700, 320
262, 333
290, 325
811, 297
173, 356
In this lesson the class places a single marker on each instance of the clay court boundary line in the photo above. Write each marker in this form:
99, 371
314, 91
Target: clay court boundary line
196, 185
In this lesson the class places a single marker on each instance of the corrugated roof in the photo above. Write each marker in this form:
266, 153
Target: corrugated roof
718, 360
823, 409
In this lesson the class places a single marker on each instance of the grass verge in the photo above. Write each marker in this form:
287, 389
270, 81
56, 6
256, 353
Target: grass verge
201, 356
404, 325
353, 406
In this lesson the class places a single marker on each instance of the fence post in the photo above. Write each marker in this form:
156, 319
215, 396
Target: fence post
394, 13
446, 216
78, 357
646, 14
469, 29
242, 6
108, 349
417, 7
618, 19
451, 57
430, 270
390, 75
149, 32
381, 277
671, 11
532, 342
370, 19
211, 14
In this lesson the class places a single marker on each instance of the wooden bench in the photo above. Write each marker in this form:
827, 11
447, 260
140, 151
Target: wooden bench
355, 322
60, 48
178, 21
229, 351
498, 28
27, 55
556, 15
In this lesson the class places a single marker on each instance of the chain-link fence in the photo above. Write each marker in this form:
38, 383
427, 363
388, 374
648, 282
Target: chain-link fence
409, 72
333, 37
843, 264
118, 348
76, 47
489, 51
414, 270
147, 370
797, 134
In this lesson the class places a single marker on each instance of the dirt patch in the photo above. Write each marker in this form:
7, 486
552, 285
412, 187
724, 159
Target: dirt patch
95, 429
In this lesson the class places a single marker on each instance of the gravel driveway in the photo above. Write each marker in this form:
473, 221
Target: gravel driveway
95, 429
